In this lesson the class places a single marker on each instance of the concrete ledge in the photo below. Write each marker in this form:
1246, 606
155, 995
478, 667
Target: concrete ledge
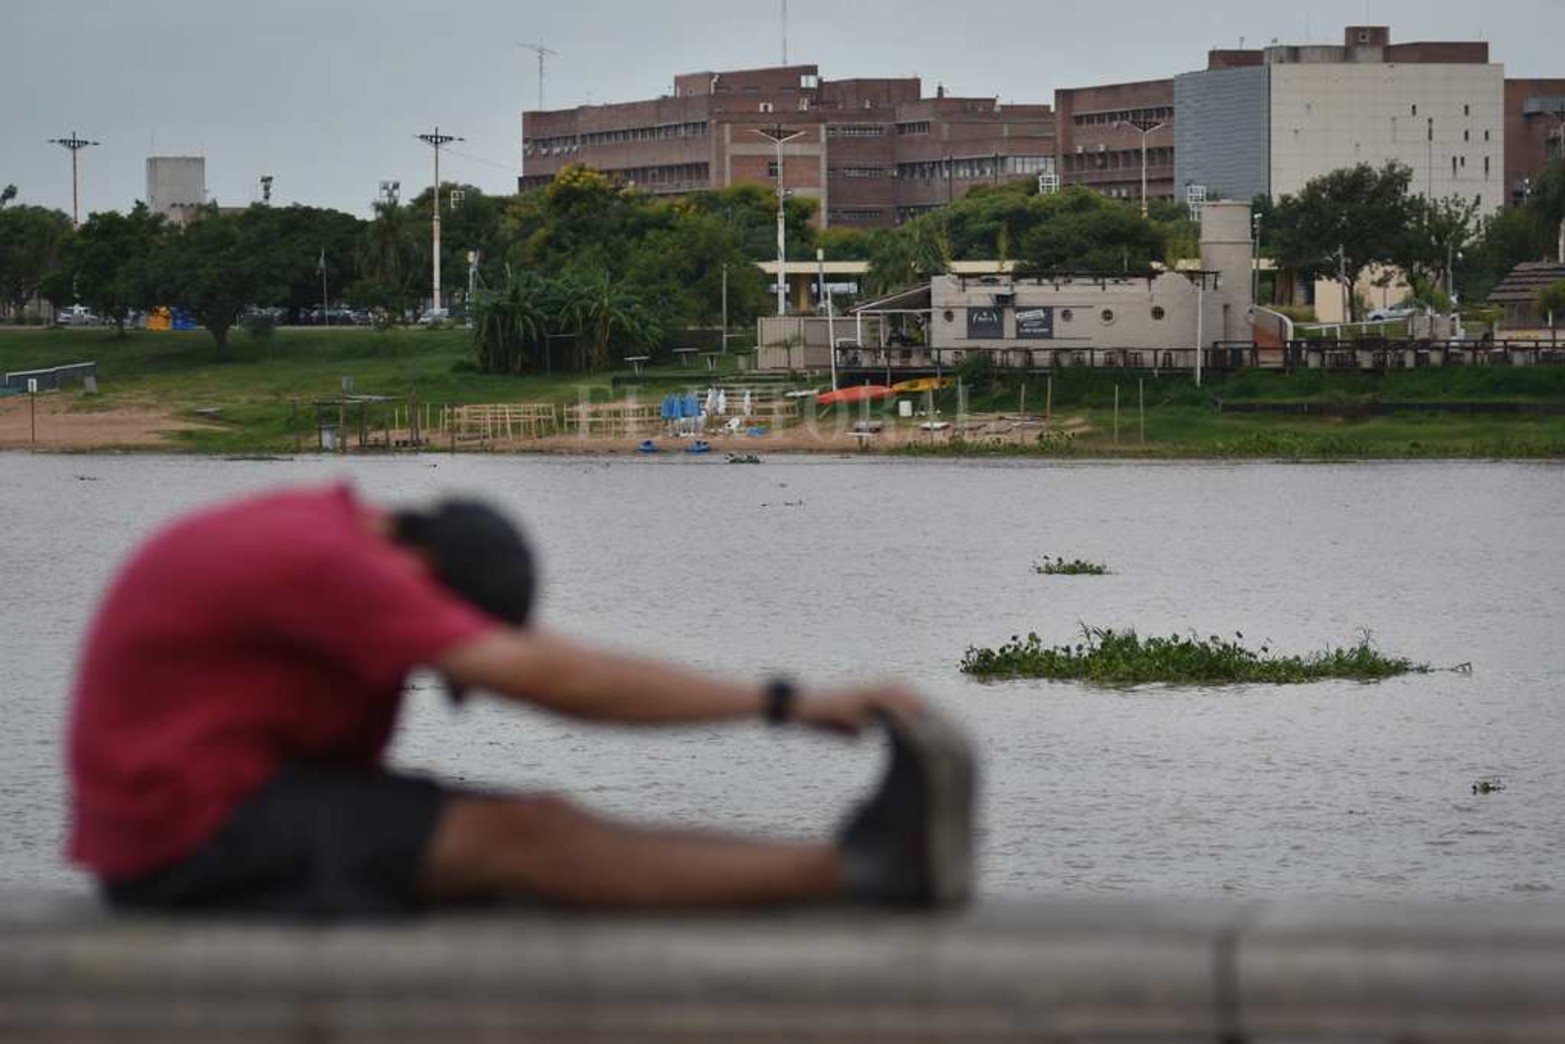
1044, 971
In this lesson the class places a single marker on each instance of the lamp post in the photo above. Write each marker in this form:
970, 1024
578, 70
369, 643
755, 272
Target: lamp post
831, 325
75, 144
436, 140
1145, 126
780, 136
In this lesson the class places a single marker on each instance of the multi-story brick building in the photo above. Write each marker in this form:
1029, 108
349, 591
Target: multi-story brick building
872, 151
1534, 132
1100, 135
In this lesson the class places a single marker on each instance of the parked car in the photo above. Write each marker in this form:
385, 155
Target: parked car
1391, 315
435, 317
76, 315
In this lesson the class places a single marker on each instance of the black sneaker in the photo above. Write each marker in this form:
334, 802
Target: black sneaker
911, 844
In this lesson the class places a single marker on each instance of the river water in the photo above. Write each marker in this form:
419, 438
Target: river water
836, 569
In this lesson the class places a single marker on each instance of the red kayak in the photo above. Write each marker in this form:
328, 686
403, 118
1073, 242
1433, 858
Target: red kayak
857, 393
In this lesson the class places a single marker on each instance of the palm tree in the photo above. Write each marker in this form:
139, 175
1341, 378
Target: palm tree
389, 254
600, 308
509, 322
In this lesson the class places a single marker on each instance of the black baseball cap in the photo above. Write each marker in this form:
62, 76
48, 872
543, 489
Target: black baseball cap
476, 552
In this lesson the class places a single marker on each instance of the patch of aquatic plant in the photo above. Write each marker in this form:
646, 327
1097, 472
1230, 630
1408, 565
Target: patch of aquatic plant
1491, 785
743, 458
1075, 567
1110, 657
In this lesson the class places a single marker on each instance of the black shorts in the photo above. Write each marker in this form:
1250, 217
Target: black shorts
315, 842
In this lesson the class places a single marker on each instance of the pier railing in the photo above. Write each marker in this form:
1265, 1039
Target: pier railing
1049, 971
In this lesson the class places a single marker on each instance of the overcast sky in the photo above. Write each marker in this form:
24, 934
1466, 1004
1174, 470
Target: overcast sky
328, 95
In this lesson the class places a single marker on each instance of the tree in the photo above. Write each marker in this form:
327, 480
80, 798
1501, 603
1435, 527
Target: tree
1551, 301
511, 322
601, 309
31, 242
1082, 230
1344, 222
294, 240
389, 261
1437, 233
218, 265
109, 261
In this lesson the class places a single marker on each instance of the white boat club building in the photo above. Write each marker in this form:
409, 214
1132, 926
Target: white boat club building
1147, 320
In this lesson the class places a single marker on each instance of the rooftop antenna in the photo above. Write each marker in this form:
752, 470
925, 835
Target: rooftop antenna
542, 52
785, 31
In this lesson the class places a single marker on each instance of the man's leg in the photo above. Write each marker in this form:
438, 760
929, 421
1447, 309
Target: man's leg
544, 846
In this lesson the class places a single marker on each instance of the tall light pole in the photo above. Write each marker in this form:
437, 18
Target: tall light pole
1145, 126
75, 144
436, 140
780, 136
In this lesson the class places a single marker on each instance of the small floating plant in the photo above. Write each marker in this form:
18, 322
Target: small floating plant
1077, 567
1110, 657
743, 458
1488, 786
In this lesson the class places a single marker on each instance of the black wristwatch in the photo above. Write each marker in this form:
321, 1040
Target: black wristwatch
780, 698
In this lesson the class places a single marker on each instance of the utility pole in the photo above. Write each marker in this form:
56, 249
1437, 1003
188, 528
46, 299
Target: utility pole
780, 136
542, 52
436, 140
75, 144
1255, 260
1146, 126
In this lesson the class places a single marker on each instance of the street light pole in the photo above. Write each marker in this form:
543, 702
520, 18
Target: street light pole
1145, 126
436, 140
780, 136
75, 144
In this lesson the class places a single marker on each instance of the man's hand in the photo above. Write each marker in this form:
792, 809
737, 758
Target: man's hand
849, 711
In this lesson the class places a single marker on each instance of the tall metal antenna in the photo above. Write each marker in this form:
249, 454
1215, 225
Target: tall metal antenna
542, 52
75, 144
785, 31
436, 140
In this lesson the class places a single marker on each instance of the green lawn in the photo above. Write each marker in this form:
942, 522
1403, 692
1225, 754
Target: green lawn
265, 390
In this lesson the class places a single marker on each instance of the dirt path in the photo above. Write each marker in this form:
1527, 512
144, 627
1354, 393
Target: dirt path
60, 426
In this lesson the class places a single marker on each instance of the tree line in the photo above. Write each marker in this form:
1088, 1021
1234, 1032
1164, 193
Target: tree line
573, 274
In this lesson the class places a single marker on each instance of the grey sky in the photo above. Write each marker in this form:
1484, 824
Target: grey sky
328, 95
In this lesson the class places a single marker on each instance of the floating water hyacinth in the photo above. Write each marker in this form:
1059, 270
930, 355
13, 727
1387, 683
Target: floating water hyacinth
1110, 657
1060, 567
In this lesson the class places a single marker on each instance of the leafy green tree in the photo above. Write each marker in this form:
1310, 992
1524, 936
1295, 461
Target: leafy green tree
1344, 222
109, 261
32, 240
470, 221
389, 260
1437, 234
1083, 230
295, 240
1551, 302
218, 265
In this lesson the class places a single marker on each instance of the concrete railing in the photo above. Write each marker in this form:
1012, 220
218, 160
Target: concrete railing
1000, 972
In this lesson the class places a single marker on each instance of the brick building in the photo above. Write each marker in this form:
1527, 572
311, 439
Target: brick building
1099, 130
1534, 132
872, 151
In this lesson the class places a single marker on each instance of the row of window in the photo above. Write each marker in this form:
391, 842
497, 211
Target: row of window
1118, 159
973, 168
1109, 117
850, 215
855, 130
569, 143
680, 175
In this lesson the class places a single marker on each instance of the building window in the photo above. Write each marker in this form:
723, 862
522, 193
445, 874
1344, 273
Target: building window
1486, 168
1415, 110
1467, 110
1107, 316
855, 130
1066, 315
1467, 135
766, 106
1158, 313
914, 127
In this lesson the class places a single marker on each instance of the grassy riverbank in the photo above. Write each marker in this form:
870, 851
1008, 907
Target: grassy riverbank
256, 397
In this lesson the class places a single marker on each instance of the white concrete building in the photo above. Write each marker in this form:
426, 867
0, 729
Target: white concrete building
176, 186
1267, 122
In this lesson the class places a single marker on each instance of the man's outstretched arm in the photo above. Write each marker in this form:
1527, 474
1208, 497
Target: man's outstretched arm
589, 683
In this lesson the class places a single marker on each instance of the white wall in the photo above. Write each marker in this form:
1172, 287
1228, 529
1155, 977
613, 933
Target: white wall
1328, 116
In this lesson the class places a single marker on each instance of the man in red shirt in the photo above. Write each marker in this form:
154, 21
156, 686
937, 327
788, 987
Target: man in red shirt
243, 676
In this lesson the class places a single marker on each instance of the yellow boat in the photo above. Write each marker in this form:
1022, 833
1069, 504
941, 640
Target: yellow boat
923, 384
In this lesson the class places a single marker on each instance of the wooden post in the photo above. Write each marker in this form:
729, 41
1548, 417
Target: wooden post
342, 428
1116, 414
1141, 395
1048, 402
1021, 407
293, 425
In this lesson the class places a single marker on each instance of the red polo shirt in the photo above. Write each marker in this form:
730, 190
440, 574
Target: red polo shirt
271, 629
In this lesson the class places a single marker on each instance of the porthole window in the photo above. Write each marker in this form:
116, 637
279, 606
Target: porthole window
1158, 313
948, 315
1066, 315
1107, 315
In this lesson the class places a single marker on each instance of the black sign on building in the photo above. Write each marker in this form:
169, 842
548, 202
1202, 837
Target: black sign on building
1037, 323
985, 324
